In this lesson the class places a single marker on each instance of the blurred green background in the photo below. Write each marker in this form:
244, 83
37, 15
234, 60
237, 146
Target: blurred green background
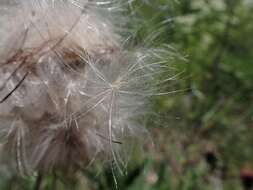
203, 136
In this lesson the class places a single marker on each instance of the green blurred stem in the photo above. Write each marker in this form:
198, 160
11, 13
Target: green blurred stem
38, 182
54, 182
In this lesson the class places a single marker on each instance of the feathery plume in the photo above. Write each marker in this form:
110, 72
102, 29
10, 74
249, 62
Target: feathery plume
70, 91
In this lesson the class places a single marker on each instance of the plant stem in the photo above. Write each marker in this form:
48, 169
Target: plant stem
54, 182
38, 182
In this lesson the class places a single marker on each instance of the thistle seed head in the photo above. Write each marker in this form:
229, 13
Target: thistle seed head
70, 92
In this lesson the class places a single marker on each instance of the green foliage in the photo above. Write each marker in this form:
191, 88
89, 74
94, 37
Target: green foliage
214, 36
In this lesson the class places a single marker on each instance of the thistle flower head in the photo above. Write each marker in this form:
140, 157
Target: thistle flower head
70, 92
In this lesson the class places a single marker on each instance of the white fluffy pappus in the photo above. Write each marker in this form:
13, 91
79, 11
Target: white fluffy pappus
70, 92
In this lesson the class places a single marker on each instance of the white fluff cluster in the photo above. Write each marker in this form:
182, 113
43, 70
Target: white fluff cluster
69, 90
